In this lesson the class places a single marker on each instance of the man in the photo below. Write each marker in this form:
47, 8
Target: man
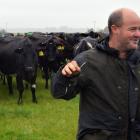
108, 80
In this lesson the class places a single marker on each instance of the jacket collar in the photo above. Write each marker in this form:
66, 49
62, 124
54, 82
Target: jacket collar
133, 55
104, 46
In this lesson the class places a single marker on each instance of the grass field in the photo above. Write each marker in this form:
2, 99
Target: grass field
50, 119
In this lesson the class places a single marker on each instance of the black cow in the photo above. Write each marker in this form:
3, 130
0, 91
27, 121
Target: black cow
77, 42
85, 44
70, 40
38, 39
17, 56
54, 56
48, 48
39, 43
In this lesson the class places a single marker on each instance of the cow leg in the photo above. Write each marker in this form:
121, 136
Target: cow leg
9, 82
33, 88
20, 88
26, 85
46, 83
51, 79
46, 74
46, 77
4, 79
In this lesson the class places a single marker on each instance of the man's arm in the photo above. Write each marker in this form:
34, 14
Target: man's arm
65, 81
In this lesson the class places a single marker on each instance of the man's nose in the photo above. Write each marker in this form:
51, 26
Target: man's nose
137, 33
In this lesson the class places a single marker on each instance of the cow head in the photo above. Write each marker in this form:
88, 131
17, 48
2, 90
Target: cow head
27, 59
54, 46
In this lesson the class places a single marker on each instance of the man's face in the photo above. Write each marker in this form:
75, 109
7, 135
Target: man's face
129, 34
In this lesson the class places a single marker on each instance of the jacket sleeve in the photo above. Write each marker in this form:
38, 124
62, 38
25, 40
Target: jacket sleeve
66, 87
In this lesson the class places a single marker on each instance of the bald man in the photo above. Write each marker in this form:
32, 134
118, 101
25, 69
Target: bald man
107, 78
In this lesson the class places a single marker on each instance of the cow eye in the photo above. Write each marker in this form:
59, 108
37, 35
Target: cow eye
19, 50
24, 54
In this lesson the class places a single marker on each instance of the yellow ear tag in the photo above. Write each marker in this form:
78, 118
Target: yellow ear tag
41, 53
60, 47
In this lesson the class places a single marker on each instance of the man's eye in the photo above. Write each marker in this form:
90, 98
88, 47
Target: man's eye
132, 29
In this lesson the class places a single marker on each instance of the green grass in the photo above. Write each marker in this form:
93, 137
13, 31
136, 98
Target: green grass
50, 119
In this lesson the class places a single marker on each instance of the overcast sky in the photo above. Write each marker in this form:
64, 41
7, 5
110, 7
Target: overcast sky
56, 13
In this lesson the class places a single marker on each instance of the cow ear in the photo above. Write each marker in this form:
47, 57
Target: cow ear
42, 43
19, 50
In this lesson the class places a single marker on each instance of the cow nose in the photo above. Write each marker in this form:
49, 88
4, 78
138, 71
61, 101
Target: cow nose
28, 69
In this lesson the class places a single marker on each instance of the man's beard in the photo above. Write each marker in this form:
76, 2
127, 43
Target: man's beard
126, 47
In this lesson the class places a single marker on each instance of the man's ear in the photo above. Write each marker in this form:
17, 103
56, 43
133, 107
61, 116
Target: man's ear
114, 29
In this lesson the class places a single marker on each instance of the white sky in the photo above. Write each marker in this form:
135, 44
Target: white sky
56, 13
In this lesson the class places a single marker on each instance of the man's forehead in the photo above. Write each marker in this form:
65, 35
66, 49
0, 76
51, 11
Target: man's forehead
133, 20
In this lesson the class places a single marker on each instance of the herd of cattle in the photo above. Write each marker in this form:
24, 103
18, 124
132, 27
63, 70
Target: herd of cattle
22, 55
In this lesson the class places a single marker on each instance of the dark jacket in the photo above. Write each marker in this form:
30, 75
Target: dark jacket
109, 93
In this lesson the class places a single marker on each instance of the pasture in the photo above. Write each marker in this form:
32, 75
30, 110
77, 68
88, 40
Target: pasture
50, 119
